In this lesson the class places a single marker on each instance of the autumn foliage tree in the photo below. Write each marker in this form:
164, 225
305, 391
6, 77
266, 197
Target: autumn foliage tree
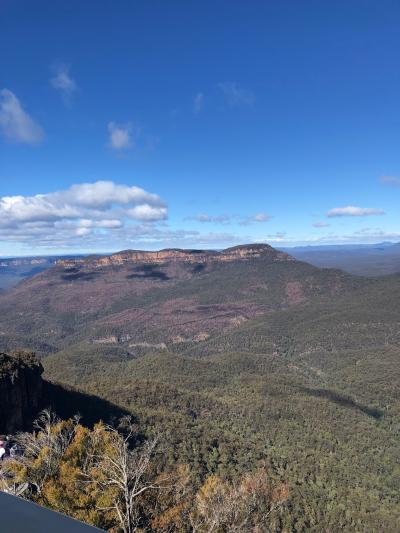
250, 505
103, 477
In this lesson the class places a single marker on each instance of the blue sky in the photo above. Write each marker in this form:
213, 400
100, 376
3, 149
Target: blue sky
131, 124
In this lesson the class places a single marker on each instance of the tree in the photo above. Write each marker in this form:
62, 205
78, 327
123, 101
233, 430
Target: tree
43, 449
123, 474
98, 476
250, 505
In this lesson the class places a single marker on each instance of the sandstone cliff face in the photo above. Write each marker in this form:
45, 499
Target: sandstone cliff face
236, 253
21, 388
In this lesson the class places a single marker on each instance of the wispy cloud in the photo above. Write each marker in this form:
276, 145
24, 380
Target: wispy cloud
353, 211
364, 235
321, 225
262, 217
120, 136
16, 125
235, 95
257, 218
279, 236
198, 103
64, 83
390, 180
215, 219
230, 219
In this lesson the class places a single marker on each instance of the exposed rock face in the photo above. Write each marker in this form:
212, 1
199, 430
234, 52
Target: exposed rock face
251, 251
21, 388
236, 253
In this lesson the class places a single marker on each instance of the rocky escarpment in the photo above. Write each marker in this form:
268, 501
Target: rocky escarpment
237, 253
21, 389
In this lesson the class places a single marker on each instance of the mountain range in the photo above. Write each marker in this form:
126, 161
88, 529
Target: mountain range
236, 357
359, 259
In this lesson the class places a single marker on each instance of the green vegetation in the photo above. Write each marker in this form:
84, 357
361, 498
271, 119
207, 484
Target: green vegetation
240, 366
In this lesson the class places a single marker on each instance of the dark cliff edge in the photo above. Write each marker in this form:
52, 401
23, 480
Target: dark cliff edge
23, 394
21, 390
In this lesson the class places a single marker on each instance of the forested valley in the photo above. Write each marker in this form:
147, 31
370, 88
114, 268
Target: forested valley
242, 390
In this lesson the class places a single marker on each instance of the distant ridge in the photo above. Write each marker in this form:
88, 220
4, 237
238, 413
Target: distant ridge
241, 252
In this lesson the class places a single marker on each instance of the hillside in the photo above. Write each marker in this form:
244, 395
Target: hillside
239, 357
136, 300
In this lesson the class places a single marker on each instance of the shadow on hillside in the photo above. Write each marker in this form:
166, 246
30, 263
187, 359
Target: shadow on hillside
344, 401
155, 274
148, 272
198, 268
67, 402
82, 276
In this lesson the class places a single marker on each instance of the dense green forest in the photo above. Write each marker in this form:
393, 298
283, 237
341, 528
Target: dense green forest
254, 364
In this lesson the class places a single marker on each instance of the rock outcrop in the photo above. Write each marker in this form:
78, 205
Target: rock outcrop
21, 389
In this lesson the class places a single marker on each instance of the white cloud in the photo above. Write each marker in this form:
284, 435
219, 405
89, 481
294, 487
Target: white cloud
321, 225
107, 223
85, 226
236, 95
83, 209
103, 194
353, 211
120, 136
81, 232
63, 82
198, 102
147, 212
15, 123
67, 236
390, 180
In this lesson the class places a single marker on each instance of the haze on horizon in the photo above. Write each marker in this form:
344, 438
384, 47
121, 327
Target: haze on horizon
151, 126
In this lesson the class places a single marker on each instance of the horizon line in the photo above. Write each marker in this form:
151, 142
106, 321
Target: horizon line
273, 245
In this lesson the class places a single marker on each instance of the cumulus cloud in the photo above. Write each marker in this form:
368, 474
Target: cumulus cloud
390, 180
353, 211
147, 212
235, 95
198, 103
120, 136
63, 82
16, 125
88, 208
